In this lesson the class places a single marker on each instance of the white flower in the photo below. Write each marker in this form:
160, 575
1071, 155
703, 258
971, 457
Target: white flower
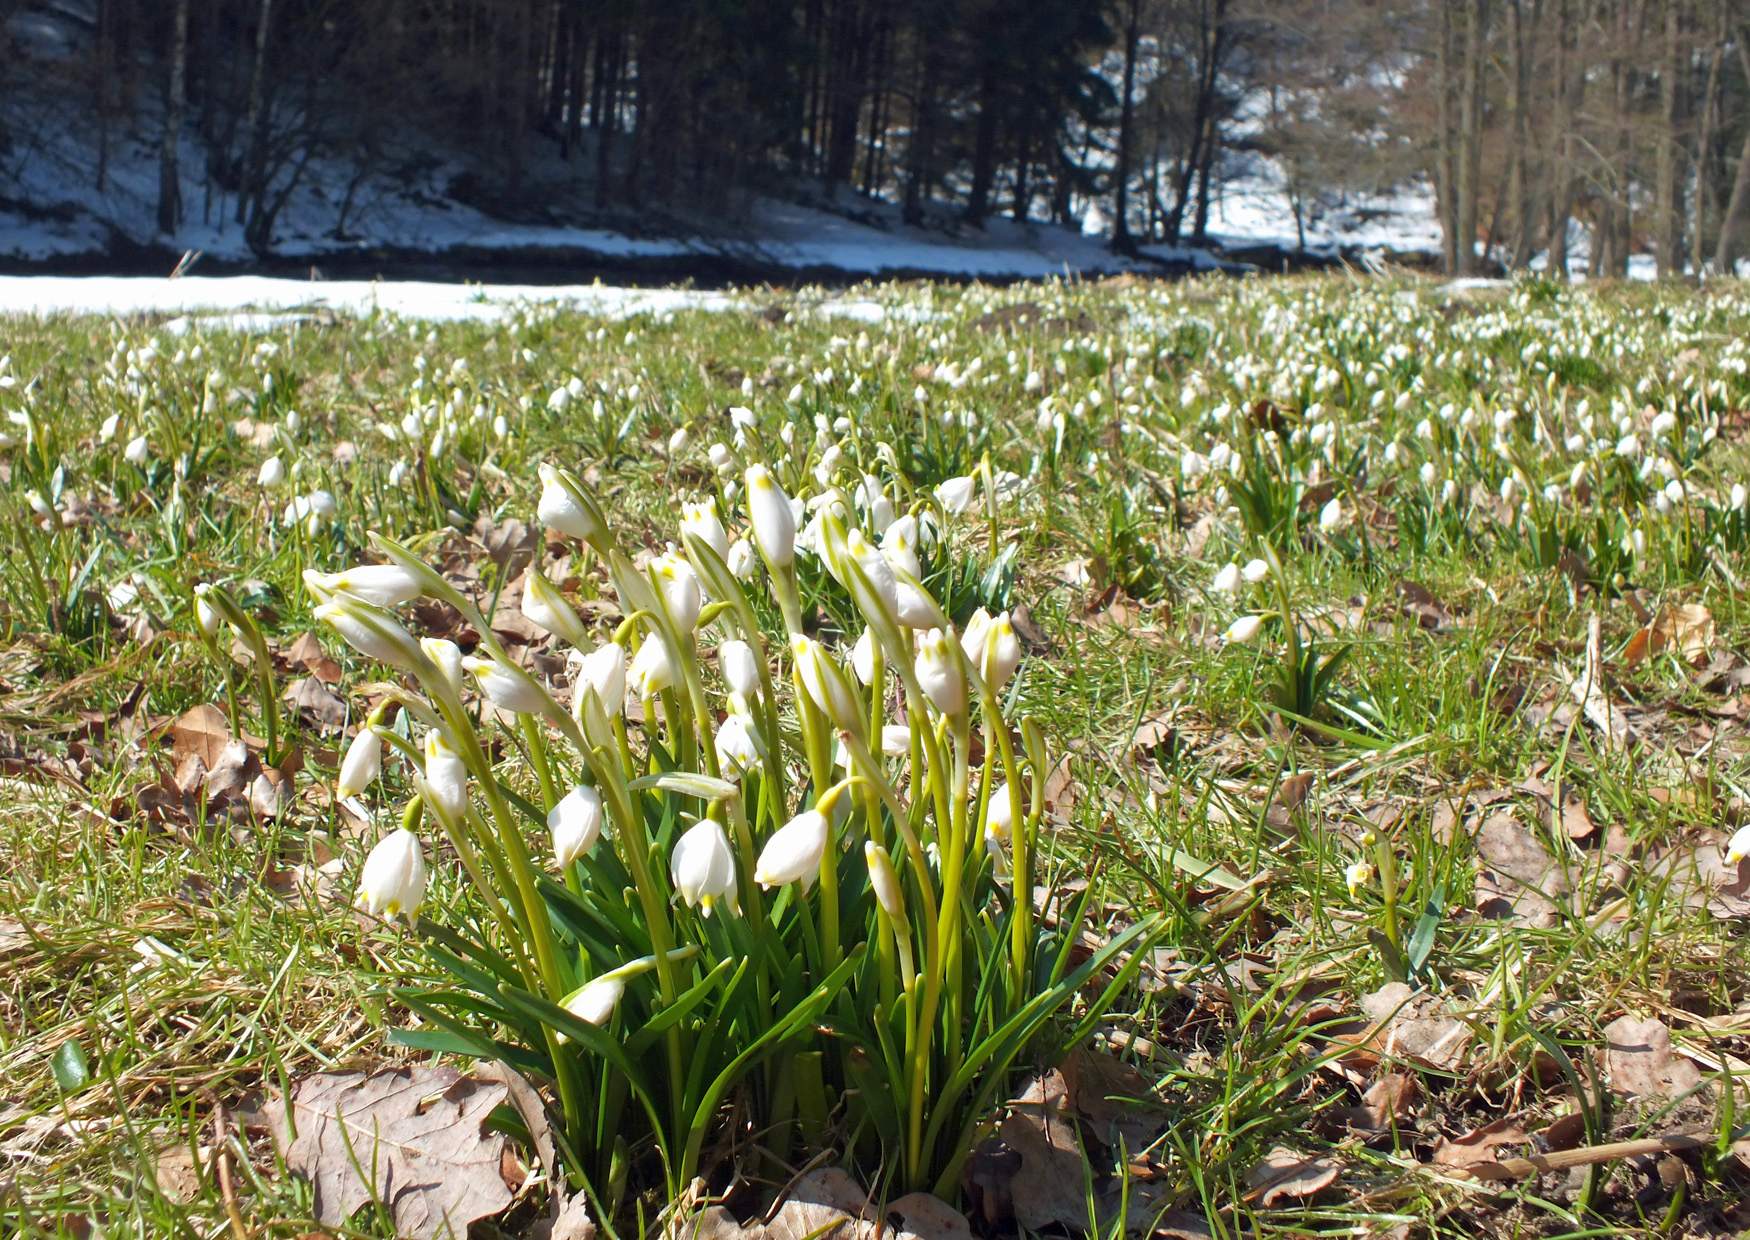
700, 519
446, 656
1357, 874
794, 852
702, 867
992, 647
1740, 496
957, 494
737, 748
1228, 579
740, 559
875, 567
205, 614
863, 657
1738, 847
653, 668
272, 473
1255, 571
939, 672
446, 777
895, 740
563, 506
603, 670
576, 824
1242, 631
999, 819
825, 683
360, 766
679, 586
138, 451
386, 585
900, 545
884, 879
1331, 516
677, 442
774, 523
740, 667
371, 631
547, 609
392, 882
594, 1002
507, 687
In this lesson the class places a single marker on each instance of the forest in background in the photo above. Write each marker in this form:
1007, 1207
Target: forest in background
1566, 132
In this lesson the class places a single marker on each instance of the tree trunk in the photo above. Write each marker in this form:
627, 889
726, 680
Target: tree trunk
255, 119
1704, 203
169, 175
1670, 223
1446, 142
1726, 248
1563, 140
1126, 132
1470, 123
984, 147
1519, 174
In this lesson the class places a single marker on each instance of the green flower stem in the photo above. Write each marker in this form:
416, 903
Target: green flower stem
1020, 852
537, 743
817, 739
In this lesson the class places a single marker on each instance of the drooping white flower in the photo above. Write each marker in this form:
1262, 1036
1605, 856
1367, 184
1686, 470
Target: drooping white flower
653, 668
699, 518
371, 631
737, 747
1356, 875
547, 609
446, 777
939, 672
205, 614
1738, 847
392, 882
360, 766
272, 474
956, 495
564, 507
576, 824
594, 1001
702, 867
773, 520
992, 647
446, 656
1228, 579
1255, 571
794, 852
604, 671
825, 683
741, 559
1331, 516
999, 819
679, 586
884, 880
1242, 631
386, 585
900, 545
138, 451
1740, 496
507, 687
740, 667
863, 656
895, 740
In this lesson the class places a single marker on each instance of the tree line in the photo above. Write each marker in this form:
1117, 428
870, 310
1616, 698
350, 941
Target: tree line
1529, 123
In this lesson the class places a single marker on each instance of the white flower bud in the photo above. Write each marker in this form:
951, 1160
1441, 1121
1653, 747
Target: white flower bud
794, 852
392, 882
740, 667
360, 766
446, 656
774, 524
594, 1002
939, 672
546, 608
576, 824
1242, 631
446, 777
702, 867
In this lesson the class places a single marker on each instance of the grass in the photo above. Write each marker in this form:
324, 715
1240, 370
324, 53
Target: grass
164, 967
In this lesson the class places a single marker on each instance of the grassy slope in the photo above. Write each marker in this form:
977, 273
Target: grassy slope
1176, 752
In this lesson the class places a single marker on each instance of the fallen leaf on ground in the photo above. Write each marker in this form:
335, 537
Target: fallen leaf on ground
1285, 1174
1115, 1099
408, 1137
1638, 1059
177, 1175
316, 703
927, 1217
1417, 1027
307, 653
1478, 1146
822, 1205
1516, 879
1684, 628
1041, 1128
202, 731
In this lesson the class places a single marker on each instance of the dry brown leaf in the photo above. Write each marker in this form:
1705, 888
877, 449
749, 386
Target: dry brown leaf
203, 731
927, 1217
408, 1137
177, 1175
1478, 1147
1638, 1059
316, 703
307, 654
823, 1205
1516, 879
1115, 1099
1049, 1188
1412, 1026
1391, 1097
1287, 1174
1685, 628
